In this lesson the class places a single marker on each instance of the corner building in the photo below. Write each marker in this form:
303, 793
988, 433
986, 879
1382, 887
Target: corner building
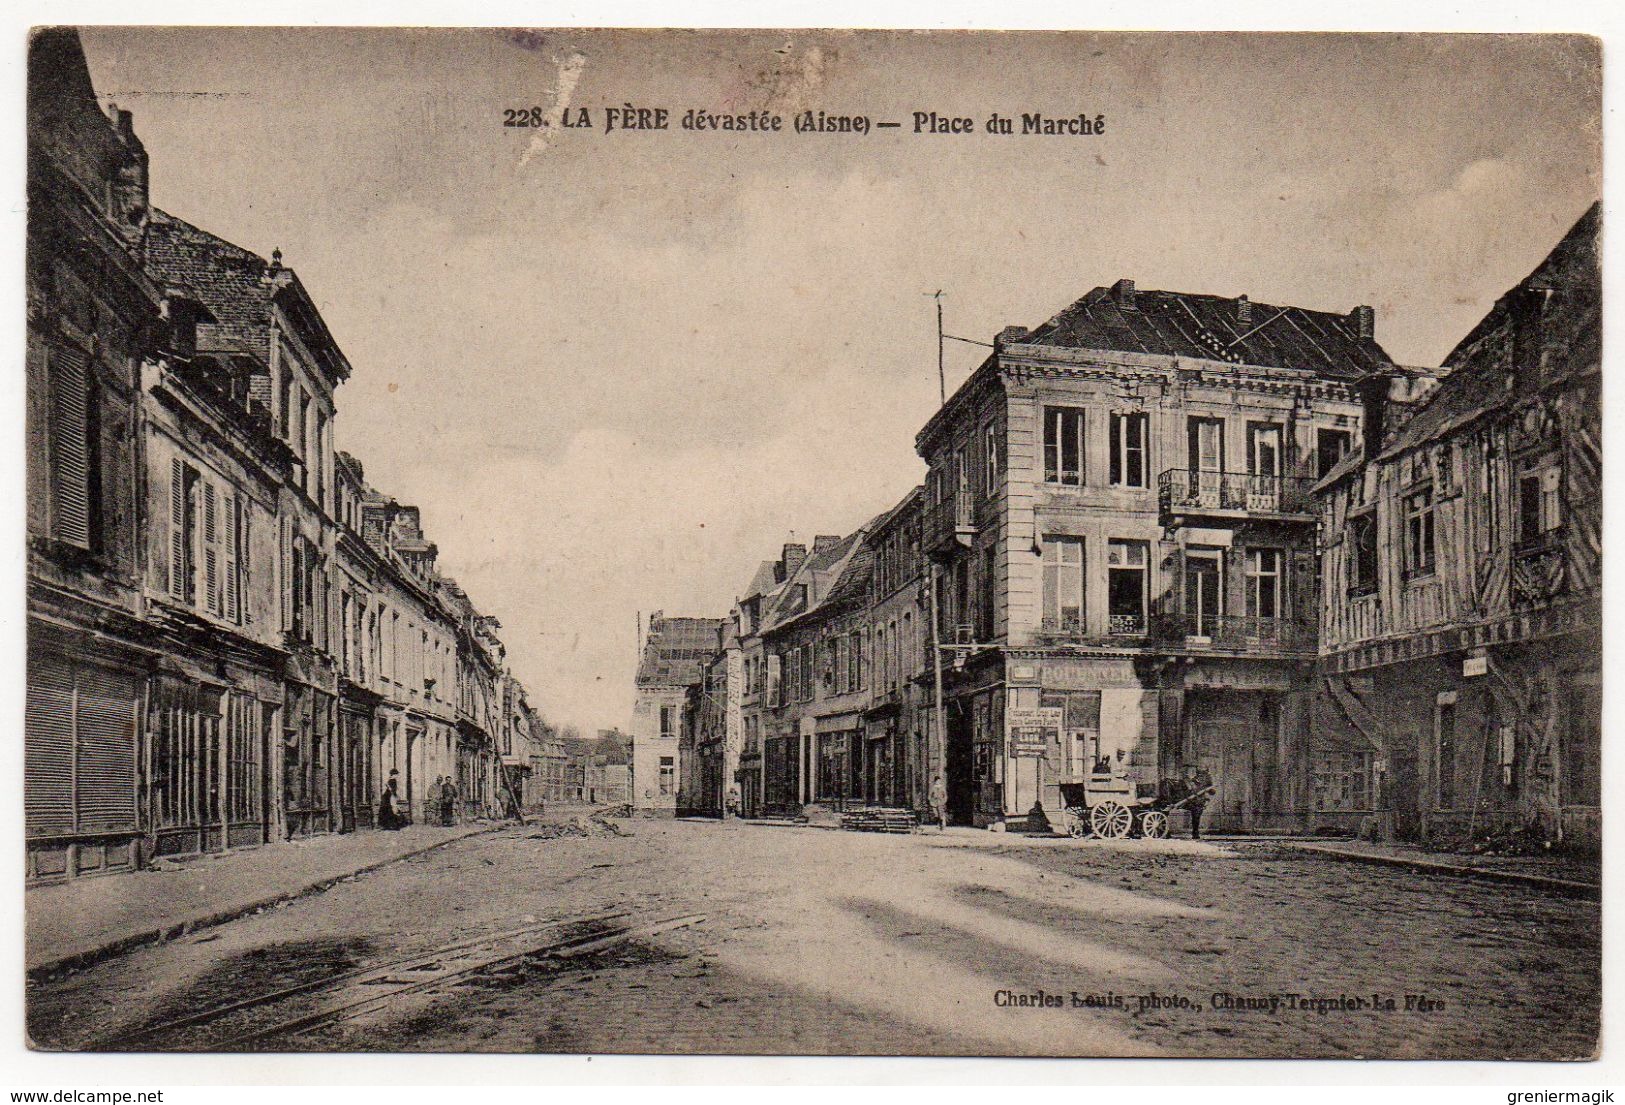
1122, 544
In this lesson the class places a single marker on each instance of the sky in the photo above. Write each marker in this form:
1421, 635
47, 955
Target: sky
616, 371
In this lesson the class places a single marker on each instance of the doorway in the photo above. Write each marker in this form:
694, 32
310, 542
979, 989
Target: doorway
960, 773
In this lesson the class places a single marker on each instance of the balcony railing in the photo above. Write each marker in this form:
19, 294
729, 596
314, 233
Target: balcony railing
952, 521
1233, 494
1233, 632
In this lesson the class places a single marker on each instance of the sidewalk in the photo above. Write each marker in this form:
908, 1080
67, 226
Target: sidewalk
1569, 876
78, 922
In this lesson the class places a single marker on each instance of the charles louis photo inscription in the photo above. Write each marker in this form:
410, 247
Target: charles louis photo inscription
813, 542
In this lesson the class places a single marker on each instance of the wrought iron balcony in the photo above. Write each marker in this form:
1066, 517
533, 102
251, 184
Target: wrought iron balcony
1235, 633
951, 522
1182, 493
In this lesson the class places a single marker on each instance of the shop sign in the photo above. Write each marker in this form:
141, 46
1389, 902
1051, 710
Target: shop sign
1033, 732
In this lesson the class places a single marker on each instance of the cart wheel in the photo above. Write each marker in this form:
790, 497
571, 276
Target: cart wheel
1154, 825
1111, 820
1075, 824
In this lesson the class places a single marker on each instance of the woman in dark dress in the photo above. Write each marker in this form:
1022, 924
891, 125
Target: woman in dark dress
389, 810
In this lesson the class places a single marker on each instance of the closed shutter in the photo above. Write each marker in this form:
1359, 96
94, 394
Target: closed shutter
177, 529
231, 523
285, 582
48, 755
70, 445
107, 743
211, 547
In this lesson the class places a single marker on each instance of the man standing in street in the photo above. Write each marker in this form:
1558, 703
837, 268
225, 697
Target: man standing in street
939, 803
448, 802
1199, 787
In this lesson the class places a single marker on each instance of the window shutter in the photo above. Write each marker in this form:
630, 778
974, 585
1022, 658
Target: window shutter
177, 529
244, 561
70, 446
48, 755
106, 750
285, 580
231, 521
211, 547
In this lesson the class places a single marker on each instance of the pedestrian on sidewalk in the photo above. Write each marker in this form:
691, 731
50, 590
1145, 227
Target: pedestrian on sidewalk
939, 803
389, 807
446, 792
1199, 787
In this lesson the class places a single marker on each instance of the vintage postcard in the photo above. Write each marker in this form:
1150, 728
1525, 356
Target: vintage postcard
813, 542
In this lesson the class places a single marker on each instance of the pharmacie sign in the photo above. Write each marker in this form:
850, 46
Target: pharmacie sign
1033, 732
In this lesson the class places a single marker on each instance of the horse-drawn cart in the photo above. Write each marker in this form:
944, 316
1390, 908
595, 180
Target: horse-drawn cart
1110, 806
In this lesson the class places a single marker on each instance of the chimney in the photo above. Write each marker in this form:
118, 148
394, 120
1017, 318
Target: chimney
792, 557
1364, 321
824, 542
1123, 294
127, 188
1244, 311
1010, 335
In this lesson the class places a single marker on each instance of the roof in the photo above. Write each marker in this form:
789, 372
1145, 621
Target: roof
833, 574
238, 287
853, 582
228, 279
1482, 366
676, 650
765, 581
1182, 324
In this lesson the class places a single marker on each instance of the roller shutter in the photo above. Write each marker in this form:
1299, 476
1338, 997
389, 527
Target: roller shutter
80, 749
48, 756
107, 743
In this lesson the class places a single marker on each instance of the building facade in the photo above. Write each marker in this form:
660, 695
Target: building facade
898, 732
674, 651
760, 595
1119, 517
231, 639
94, 320
1461, 609
815, 639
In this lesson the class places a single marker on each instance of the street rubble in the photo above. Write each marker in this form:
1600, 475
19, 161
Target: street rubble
591, 825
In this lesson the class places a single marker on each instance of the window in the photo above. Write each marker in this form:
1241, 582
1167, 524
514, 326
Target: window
320, 452
1264, 448
1342, 781
1204, 590
1330, 447
183, 531
990, 594
1129, 432
1362, 539
1206, 444
1063, 584
302, 428
1539, 504
284, 407
74, 456
1419, 533
1063, 446
990, 459
1126, 586
1445, 750
668, 776
1264, 583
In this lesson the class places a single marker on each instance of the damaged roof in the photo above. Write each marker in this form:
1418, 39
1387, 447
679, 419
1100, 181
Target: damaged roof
676, 650
1483, 366
1182, 324
228, 279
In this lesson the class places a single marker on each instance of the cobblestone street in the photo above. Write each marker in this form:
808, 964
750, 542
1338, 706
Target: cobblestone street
817, 942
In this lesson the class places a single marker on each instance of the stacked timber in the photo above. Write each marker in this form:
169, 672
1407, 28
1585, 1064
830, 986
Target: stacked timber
880, 819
